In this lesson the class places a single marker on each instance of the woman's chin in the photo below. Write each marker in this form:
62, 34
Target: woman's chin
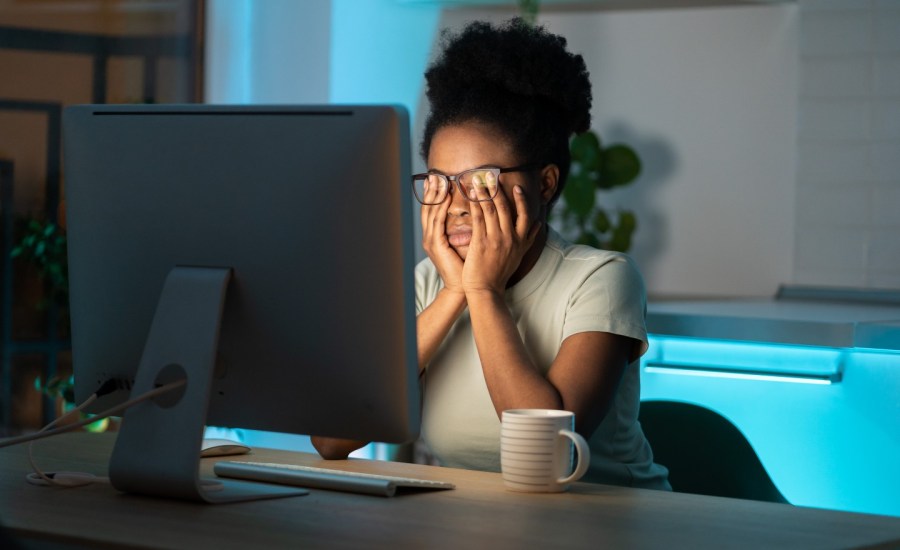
462, 251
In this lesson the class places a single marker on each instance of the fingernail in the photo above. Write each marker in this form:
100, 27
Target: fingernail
518, 189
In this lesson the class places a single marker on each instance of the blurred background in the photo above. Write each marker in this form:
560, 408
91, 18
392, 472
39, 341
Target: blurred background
768, 134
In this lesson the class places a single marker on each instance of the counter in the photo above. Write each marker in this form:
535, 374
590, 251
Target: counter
836, 324
812, 381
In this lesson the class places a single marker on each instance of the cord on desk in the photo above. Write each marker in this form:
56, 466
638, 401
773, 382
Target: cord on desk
76, 479
61, 479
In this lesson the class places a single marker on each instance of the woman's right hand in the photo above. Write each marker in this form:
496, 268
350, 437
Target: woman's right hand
434, 240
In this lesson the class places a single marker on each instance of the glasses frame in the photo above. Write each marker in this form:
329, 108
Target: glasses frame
455, 179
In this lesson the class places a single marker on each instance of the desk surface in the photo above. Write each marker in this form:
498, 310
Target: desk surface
479, 513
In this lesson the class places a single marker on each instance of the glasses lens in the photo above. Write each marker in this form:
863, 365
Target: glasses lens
482, 181
430, 188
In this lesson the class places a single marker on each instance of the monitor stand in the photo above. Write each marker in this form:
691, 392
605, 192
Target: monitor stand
158, 447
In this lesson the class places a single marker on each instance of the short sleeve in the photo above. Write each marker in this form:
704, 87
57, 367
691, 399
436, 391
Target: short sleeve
428, 283
611, 298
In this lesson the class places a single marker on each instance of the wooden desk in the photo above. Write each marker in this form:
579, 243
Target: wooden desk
480, 513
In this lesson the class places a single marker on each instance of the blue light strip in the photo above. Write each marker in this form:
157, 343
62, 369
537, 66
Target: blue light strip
747, 357
712, 373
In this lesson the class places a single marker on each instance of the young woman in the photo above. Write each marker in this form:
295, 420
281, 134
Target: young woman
509, 314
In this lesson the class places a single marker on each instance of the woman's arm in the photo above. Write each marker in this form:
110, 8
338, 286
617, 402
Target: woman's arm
435, 321
588, 366
332, 448
583, 378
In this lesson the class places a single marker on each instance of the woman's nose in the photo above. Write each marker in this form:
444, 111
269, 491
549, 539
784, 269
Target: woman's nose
459, 205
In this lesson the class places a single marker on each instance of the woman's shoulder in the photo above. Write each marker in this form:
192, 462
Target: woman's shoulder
579, 256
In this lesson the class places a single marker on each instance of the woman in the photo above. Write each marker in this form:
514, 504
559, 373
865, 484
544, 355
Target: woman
509, 314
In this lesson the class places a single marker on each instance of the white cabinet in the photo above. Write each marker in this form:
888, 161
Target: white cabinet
802, 380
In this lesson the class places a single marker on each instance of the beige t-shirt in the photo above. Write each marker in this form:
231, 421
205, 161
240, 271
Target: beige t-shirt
570, 289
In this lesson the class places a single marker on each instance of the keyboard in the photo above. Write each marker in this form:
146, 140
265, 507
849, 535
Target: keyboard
323, 478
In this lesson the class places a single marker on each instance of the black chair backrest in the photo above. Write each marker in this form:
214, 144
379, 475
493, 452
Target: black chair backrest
704, 452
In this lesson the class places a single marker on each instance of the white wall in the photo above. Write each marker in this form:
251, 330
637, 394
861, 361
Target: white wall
848, 182
277, 51
770, 134
708, 99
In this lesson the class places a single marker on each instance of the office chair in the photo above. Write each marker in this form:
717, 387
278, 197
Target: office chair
704, 452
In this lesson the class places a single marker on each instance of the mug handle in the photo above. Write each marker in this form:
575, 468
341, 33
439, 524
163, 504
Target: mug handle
584, 457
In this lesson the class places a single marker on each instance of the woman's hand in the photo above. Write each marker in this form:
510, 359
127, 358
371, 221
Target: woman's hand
434, 240
500, 239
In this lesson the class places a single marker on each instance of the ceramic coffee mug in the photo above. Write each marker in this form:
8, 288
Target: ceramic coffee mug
536, 450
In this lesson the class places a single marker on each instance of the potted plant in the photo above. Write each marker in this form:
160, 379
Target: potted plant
594, 167
62, 390
44, 245
597, 167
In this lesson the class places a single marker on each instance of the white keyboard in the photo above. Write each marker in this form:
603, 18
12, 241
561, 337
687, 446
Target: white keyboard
323, 478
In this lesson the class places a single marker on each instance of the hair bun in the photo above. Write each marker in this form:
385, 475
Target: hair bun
513, 58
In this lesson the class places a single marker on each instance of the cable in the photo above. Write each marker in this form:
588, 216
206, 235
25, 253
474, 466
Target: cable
79, 479
64, 479
105, 414
61, 479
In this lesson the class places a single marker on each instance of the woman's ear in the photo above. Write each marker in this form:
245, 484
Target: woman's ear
549, 180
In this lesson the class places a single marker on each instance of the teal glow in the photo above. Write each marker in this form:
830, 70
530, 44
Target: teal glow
710, 373
831, 446
232, 25
380, 50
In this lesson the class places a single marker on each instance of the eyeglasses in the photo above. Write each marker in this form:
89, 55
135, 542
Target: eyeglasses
432, 188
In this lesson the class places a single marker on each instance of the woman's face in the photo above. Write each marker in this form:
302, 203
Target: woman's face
472, 145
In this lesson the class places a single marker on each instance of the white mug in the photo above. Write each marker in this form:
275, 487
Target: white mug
536, 450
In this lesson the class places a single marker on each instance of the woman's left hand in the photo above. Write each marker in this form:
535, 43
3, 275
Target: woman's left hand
500, 238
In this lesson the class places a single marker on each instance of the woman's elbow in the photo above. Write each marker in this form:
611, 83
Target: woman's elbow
334, 449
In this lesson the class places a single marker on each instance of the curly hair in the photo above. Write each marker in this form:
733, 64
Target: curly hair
516, 78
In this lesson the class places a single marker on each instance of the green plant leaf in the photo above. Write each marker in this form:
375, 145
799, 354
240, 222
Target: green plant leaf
43, 244
586, 152
589, 239
579, 193
68, 394
620, 240
627, 220
620, 166
601, 221
97, 427
528, 9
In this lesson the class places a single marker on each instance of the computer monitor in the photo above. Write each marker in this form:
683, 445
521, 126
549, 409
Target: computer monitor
264, 253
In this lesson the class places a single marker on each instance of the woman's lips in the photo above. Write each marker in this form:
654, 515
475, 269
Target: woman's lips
459, 236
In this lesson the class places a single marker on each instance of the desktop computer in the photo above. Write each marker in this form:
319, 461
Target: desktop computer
262, 254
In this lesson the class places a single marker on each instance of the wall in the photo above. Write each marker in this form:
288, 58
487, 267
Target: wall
770, 134
379, 51
706, 96
318, 51
708, 99
848, 170
275, 51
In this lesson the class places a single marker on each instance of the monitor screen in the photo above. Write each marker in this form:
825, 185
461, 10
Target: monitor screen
309, 210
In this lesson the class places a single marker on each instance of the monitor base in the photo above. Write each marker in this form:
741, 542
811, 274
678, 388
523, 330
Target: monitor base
158, 447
